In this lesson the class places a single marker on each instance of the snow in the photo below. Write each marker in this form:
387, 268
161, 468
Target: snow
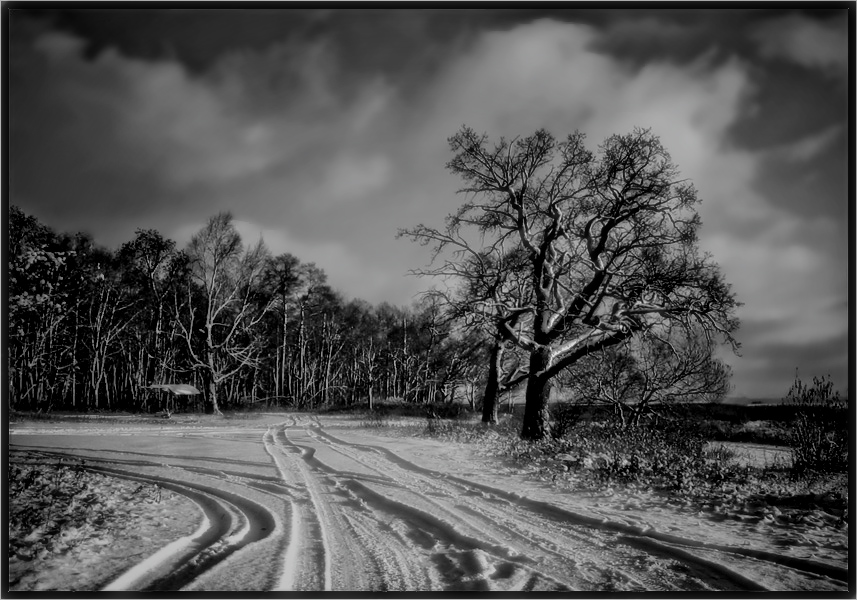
132, 576
88, 554
300, 502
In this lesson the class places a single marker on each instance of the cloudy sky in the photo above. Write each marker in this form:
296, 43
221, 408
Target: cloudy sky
325, 131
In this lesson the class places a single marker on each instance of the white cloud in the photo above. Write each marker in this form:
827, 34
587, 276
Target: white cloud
351, 178
346, 269
808, 147
58, 46
782, 283
808, 42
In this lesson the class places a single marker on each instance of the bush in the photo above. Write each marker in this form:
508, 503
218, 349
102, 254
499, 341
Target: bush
52, 508
443, 420
377, 417
624, 454
819, 431
443, 410
753, 432
672, 454
493, 438
565, 416
438, 428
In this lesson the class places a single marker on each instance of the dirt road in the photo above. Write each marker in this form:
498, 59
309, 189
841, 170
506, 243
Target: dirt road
295, 503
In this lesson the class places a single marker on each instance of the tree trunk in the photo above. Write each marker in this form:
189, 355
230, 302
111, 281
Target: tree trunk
212, 392
212, 385
491, 398
538, 395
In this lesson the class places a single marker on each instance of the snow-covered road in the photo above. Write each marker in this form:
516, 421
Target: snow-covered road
298, 503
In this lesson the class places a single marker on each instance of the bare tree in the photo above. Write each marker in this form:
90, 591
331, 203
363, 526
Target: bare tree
488, 294
217, 319
148, 259
39, 315
282, 280
609, 244
650, 374
106, 315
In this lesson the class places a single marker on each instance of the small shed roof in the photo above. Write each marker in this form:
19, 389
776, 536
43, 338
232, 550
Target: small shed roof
179, 389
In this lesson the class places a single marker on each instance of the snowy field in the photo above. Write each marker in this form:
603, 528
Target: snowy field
299, 502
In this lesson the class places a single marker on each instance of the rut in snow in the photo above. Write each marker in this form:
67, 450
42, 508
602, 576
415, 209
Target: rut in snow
290, 506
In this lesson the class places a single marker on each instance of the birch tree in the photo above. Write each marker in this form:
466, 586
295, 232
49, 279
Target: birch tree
219, 313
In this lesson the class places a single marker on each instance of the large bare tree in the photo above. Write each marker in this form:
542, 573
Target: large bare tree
220, 309
610, 246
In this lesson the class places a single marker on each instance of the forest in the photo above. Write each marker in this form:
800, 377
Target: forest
92, 329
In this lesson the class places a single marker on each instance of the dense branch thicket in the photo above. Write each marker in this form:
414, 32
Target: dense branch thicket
641, 374
91, 329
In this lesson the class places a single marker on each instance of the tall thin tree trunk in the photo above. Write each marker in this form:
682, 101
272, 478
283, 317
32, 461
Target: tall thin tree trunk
212, 386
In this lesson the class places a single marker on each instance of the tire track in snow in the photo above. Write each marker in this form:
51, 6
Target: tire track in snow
669, 540
287, 579
230, 523
441, 538
563, 555
235, 523
418, 530
358, 516
393, 561
707, 571
323, 532
313, 514
416, 507
558, 564
362, 562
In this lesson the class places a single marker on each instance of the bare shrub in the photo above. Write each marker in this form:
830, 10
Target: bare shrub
444, 410
565, 416
819, 431
376, 417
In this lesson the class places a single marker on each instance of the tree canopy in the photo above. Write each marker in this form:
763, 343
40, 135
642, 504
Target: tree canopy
604, 243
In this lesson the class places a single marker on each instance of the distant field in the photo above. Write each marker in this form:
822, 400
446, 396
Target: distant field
744, 401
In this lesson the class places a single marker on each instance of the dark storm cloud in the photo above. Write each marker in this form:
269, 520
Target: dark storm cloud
397, 42
638, 36
392, 40
790, 101
814, 183
193, 36
70, 148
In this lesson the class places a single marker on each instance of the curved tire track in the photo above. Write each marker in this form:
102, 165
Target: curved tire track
230, 522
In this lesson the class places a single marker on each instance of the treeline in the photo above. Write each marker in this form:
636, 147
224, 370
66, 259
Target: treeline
91, 329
